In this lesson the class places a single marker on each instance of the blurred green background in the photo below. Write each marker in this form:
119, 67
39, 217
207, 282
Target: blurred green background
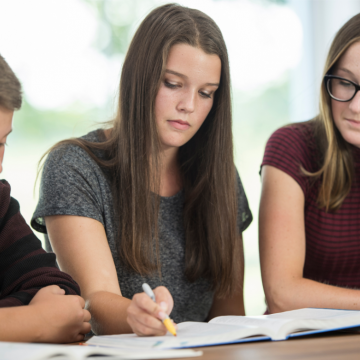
68, 55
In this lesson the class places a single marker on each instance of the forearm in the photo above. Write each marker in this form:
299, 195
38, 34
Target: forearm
108, 313
302, 293
19, 324
223, 308
233, 305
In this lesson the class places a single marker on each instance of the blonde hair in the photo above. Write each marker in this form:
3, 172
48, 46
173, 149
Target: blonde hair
337, 170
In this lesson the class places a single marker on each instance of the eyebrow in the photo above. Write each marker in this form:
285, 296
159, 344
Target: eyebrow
346, 70
185, 77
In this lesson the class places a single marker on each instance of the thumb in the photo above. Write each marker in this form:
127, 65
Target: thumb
54, 289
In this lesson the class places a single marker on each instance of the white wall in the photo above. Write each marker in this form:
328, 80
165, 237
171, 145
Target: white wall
321, 19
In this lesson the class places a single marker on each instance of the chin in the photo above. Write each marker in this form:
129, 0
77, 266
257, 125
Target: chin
173, 143
352, 137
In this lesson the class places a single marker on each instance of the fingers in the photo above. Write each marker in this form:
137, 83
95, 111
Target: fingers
143, 302
146, 325
76, 300
57, 290
53, 289
164, 299
85, 328
79, 337
144, 316
82, 301
87, 315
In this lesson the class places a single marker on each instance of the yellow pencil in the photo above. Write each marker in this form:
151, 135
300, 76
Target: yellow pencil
169, 326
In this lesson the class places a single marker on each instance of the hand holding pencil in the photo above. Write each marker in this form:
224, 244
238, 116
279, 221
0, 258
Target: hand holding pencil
148, 317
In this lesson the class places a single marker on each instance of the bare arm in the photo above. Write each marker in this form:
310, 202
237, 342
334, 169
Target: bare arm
282, 250
83, 252
233, 305
17, 324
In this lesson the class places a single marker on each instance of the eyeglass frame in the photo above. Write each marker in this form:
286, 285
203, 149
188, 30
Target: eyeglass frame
328, 77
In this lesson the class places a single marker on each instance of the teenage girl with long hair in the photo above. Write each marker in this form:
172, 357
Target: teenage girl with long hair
310, 202
155, 197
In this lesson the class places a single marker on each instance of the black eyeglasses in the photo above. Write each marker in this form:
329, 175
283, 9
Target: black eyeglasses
340, 89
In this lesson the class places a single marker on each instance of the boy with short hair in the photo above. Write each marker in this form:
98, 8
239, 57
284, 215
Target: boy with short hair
28, 275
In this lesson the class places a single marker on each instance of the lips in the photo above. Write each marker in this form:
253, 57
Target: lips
353, 122
179, 124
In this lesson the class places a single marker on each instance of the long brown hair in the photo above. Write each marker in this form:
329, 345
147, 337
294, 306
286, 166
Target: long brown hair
337, 168
213, 249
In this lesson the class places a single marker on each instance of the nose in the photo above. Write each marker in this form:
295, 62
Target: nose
187, 101
354, 105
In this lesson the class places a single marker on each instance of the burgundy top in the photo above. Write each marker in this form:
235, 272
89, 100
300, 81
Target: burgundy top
24, 266
332, 239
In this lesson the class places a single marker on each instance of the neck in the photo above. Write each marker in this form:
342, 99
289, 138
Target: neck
170, 179
168, 159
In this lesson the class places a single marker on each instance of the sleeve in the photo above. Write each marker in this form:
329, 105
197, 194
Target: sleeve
288, 150
244, 216
24, 266
70, 185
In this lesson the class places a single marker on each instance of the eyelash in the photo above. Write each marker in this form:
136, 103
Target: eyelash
169, 85
208, 96
172, 86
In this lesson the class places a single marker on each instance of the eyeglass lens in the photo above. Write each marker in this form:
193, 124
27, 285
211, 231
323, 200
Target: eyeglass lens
341, 89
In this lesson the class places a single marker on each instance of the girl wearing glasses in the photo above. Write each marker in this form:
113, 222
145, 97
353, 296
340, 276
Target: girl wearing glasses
310, 202
155, 197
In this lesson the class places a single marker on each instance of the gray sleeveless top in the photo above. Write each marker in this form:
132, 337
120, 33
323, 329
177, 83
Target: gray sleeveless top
73, 184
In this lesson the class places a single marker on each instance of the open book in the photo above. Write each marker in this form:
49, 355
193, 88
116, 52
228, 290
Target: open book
23, 351
236, 329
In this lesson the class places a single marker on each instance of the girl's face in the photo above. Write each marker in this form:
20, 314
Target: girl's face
347, 114
186, 94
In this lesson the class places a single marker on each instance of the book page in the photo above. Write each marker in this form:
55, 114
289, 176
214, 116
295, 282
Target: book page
313, 314
92, 352
227, 329
188, 334
280, 325
316, 319
262, 321
23, 351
